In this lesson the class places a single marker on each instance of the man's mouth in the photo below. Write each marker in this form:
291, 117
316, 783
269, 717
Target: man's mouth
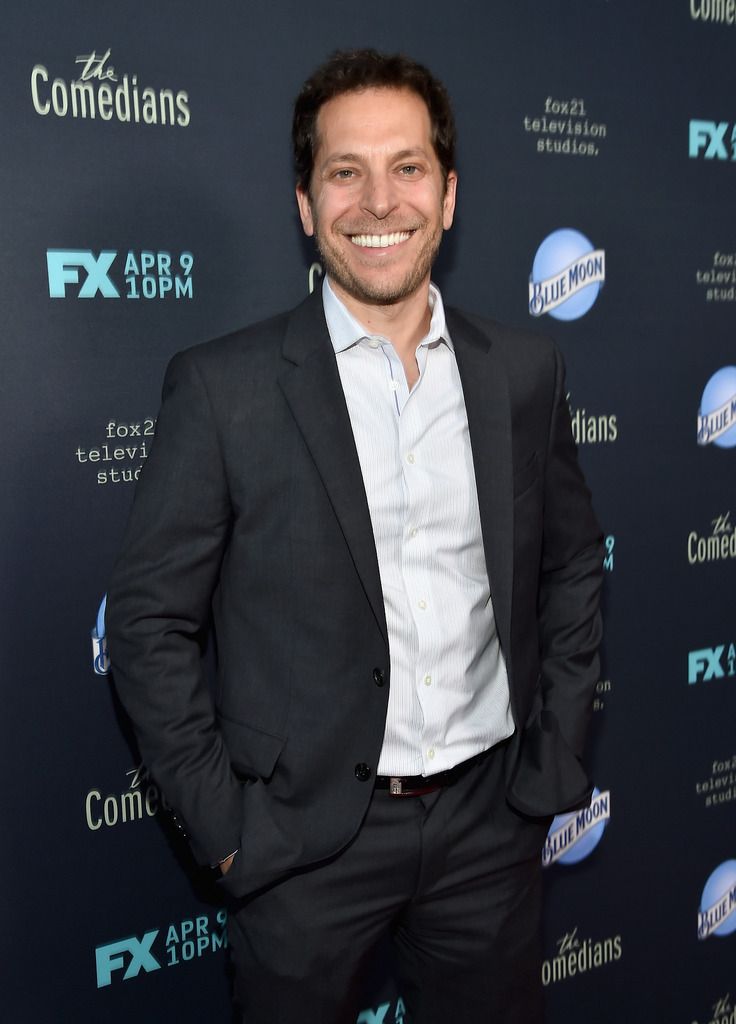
380, 241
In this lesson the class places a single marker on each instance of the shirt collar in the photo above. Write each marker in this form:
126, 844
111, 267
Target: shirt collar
346, 331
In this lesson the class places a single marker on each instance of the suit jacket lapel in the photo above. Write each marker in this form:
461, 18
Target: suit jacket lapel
486, 392
311, 384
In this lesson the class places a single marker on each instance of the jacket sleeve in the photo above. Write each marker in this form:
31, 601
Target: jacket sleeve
570, 581
548, 777
158, 612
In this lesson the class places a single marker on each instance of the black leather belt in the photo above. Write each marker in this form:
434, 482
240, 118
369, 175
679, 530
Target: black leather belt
420, 785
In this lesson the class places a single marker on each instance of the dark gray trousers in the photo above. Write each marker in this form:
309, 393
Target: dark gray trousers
453, 877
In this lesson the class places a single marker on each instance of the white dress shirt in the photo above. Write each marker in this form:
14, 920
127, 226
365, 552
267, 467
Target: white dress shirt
449, 693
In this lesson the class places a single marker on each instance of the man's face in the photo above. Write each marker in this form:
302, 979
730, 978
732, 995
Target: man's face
377, 204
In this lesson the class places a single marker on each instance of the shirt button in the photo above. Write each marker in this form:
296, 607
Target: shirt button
394, 385
362, 772
413, 531
427, 680
378, 677
410, 458
374, 343
422, 604
430, 753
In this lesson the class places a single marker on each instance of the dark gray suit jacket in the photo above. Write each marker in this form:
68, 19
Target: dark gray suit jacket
252, 506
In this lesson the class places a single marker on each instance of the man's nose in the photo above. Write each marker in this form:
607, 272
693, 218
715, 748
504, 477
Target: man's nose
379, 195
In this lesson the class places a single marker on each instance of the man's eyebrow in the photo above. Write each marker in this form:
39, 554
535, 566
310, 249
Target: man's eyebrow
341, 158
408, 154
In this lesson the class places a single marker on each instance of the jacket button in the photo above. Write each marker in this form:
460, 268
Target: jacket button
178, 824
362, 772
378, 677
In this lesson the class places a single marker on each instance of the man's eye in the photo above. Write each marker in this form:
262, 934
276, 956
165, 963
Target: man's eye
409, 170
344, 174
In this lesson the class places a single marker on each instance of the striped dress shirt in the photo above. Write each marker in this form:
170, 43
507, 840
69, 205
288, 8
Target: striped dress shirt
449, 694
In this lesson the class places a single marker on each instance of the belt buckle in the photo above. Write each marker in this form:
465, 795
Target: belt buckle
394, 786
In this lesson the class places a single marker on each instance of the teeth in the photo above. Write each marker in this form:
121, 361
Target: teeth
380, 241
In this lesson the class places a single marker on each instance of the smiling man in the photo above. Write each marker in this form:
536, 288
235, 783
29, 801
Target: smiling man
377, 202
379, 502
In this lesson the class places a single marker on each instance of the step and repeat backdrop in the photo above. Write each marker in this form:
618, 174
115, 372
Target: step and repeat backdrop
147, 205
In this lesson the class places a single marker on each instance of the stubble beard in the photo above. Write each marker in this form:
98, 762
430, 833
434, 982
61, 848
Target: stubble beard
376, 291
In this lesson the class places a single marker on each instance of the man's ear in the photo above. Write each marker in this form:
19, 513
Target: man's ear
448, 203
305, 210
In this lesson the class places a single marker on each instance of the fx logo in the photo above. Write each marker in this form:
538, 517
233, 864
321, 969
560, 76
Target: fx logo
109, 958
707, 663
379, 1015
710, 136
63, 269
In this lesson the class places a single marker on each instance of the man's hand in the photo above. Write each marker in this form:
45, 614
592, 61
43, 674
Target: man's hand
226, 864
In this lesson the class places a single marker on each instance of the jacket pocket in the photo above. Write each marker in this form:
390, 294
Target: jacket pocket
253, 753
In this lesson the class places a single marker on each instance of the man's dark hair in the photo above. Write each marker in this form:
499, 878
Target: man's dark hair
353, 71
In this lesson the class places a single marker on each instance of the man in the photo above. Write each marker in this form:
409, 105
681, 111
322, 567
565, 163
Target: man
382, 507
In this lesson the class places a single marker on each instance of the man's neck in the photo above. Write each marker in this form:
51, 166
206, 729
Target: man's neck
402, 323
